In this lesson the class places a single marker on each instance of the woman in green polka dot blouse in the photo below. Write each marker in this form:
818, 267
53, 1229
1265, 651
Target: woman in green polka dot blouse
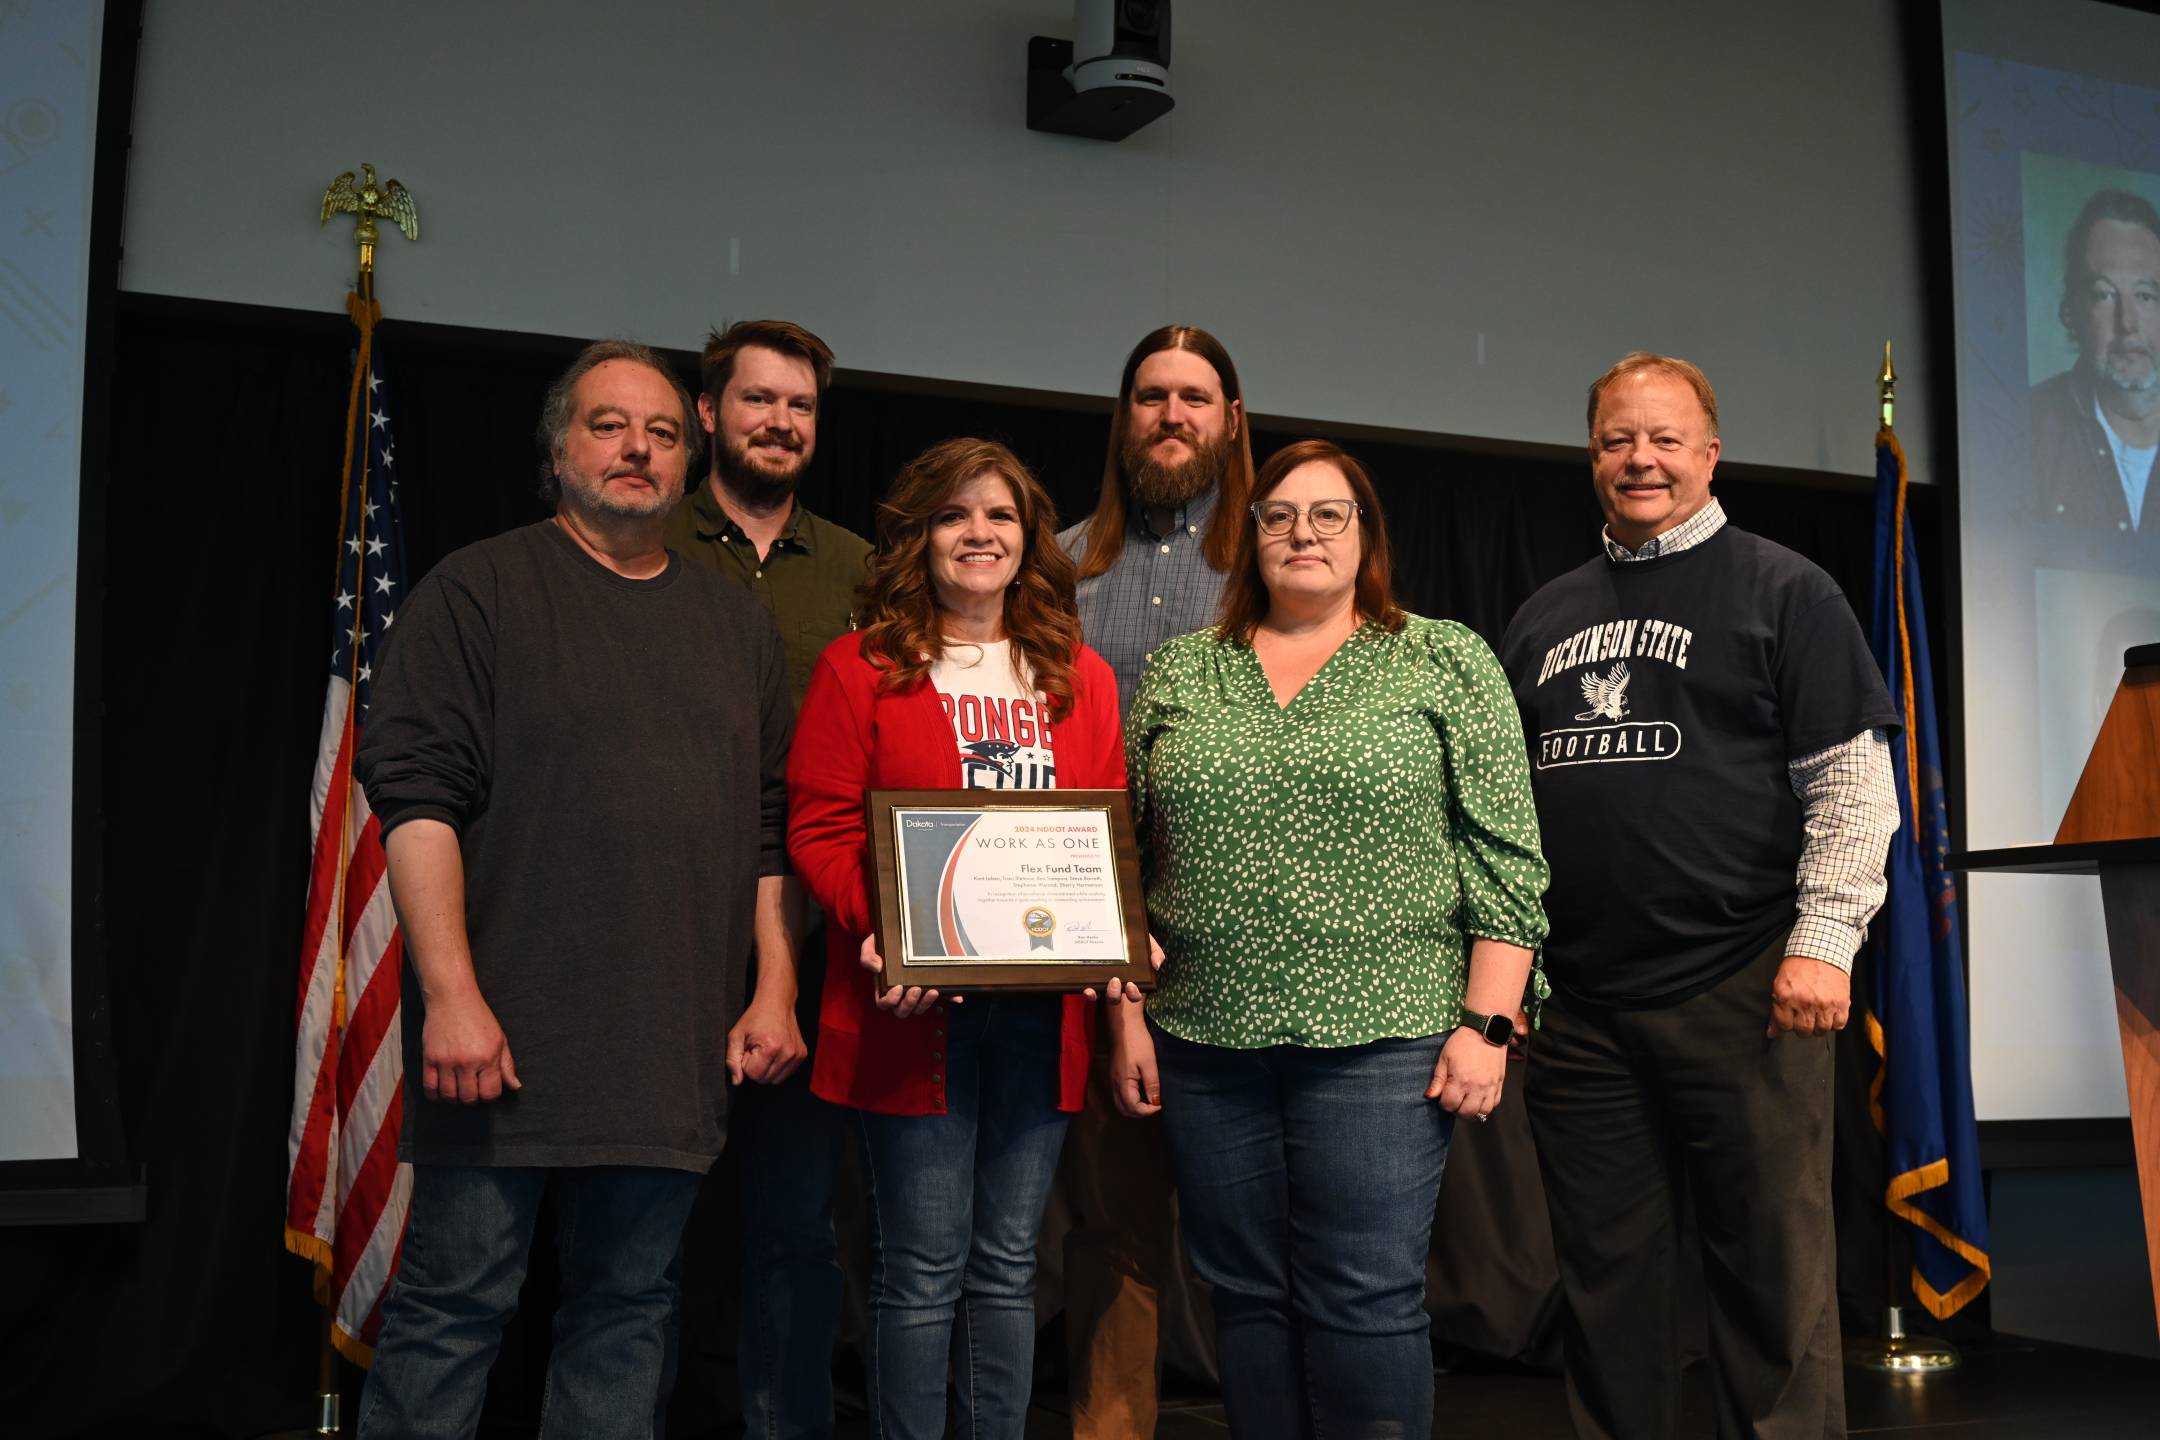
1333, 801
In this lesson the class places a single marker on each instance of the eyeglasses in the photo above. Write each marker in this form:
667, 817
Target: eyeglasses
1328, 518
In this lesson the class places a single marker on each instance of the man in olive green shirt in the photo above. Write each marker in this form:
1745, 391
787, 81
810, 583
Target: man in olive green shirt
763, 382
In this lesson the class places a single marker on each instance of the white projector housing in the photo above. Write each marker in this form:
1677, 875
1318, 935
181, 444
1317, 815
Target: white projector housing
1113, 76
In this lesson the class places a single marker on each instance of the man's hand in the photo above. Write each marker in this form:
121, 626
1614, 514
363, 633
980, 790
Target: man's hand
1809, 997
1470, 1075
464, 1054
766, 1045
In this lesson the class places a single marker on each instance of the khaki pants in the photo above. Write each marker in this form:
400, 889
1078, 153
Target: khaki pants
1121, 1267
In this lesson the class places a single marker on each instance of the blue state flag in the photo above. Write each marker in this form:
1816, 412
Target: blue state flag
1922, 1095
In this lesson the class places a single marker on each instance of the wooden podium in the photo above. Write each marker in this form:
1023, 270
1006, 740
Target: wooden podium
2112, 829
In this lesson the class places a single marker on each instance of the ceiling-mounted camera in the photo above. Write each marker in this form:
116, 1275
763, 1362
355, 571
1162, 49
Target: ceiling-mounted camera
1110, 79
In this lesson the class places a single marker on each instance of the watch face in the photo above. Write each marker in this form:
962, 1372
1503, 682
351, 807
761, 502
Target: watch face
1499, 1029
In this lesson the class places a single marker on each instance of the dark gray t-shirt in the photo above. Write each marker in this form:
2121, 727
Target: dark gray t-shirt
612, 753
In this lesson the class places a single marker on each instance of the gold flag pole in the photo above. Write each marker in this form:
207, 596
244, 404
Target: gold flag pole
1884, 383
329, 1399
1894, 1352
367, 202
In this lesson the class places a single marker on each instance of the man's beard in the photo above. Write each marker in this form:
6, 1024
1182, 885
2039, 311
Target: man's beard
1158, 486
2135, 395
594, 498
755, 485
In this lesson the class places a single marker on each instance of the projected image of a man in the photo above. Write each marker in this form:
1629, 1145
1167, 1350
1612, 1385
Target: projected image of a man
2096, 427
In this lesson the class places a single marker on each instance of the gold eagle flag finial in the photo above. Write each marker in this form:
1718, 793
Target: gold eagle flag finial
370, 201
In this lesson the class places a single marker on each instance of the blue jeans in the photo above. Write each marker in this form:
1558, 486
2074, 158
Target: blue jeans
1306, 1182
466, 1240
956, 1201
787, 1143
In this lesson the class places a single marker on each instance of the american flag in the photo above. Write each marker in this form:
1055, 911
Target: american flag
346, 1195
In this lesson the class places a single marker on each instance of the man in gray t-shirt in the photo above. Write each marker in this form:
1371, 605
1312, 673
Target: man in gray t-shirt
585, 827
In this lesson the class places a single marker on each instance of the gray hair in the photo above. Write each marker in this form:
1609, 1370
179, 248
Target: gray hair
2120, 205
553, 431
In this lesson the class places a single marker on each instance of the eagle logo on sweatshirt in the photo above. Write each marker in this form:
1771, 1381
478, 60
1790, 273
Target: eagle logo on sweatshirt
1606, 695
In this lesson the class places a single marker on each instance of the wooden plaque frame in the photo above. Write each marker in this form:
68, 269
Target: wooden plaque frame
1016, 973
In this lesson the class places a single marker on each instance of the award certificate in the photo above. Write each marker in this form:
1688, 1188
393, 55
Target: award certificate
1034, 890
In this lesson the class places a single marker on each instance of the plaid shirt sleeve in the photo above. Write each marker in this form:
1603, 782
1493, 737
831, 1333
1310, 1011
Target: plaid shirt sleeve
1849, 811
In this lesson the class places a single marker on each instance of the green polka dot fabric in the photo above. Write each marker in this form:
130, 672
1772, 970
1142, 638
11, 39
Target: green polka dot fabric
1315, 871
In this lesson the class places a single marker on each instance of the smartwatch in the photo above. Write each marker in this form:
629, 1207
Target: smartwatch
1492, 1029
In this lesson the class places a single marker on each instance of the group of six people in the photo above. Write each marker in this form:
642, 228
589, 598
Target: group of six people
620, 759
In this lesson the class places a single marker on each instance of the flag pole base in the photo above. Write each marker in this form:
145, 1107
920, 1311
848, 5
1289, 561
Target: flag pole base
328, 1420
1896, 1353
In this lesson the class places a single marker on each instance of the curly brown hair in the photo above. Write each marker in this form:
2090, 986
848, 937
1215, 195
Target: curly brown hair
902, 636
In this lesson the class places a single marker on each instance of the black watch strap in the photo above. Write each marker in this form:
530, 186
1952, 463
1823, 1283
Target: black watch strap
1492, 1029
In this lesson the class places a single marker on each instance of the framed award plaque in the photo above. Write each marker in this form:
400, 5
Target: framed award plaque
1007, 889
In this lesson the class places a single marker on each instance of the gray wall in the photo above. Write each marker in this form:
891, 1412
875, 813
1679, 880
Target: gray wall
1440, 216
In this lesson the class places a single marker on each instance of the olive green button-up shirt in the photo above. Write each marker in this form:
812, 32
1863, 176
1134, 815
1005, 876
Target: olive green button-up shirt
1319, 868
807, 579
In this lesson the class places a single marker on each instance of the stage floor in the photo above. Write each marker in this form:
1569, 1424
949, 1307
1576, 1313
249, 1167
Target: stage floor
2007, 1389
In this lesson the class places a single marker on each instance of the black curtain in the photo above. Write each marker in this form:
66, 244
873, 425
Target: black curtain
225, 445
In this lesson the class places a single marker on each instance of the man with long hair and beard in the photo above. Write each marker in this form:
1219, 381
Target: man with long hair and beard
1176, 479
763, 387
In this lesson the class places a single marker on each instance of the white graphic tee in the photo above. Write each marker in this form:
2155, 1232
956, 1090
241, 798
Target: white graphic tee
1000, 724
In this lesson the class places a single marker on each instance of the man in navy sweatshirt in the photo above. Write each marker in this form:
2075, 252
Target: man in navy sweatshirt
1709, 753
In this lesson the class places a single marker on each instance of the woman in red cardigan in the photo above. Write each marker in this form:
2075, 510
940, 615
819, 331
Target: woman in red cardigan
968, 672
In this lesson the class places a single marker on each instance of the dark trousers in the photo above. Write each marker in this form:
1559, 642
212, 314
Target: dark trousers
767, 1208
789, 1143
1632, 1109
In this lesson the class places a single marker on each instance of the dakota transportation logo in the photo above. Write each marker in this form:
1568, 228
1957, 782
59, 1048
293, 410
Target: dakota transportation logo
1041, 926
